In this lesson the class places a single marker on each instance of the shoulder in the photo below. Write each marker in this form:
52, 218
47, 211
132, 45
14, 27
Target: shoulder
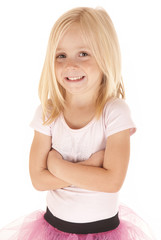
117, 116
116, 105
39, 113
37, 122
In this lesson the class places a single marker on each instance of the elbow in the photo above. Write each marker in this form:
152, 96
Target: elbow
36, 182
114, 183
112, 189
115, 188
37, 186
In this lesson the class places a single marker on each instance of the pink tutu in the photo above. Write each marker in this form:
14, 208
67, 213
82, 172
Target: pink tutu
35, 227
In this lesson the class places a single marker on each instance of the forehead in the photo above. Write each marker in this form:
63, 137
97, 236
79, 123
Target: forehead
72, 38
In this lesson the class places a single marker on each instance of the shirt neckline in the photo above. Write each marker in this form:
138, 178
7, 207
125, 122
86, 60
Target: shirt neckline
79, 129
88, 124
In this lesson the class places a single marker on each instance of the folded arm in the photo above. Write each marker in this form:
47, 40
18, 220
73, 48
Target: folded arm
43, 179
107, 179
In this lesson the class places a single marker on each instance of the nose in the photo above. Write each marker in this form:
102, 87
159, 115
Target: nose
71, 64
72, 68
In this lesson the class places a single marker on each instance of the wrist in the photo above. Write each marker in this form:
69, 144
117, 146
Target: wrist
85, 162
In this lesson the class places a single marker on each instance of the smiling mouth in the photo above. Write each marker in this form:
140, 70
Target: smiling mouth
74, 79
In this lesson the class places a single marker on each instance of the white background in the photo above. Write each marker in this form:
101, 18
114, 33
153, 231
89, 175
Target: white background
24, 32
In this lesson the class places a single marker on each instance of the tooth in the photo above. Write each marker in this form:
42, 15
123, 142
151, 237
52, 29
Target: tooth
74, 78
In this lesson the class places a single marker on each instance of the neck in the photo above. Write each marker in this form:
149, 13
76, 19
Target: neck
80, 102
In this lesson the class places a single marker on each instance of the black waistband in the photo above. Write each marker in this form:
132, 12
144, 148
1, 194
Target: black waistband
82, 228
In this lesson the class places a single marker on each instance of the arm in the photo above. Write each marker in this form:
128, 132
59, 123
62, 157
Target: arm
95, 159
41, 178
107, 179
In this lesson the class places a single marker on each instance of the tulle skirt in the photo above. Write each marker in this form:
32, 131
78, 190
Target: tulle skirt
35, 227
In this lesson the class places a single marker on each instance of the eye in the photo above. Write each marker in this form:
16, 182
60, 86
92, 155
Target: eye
60, 56
83, 54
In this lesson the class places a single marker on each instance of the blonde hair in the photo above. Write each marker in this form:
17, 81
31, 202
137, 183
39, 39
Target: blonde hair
100, 34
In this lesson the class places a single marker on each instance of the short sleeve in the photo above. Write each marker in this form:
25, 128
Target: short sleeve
118, 118
37, 123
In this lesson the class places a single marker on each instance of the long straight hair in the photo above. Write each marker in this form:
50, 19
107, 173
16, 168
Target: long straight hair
99, 32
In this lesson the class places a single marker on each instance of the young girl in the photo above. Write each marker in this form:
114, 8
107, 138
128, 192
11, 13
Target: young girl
81, 147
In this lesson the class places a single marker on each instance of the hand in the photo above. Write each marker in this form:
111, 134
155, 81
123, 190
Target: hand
53, 158
95, 160
55, 154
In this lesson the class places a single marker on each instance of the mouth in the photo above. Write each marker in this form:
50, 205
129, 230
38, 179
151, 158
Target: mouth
74, 79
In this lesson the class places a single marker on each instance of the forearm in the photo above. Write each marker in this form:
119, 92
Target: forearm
45, 180
86, 177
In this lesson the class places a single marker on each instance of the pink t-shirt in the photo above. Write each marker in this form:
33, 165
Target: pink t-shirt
75, 204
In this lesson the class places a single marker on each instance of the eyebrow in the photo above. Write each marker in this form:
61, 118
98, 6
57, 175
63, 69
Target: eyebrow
79, 48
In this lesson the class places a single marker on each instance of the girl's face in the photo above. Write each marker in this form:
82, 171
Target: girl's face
75, 66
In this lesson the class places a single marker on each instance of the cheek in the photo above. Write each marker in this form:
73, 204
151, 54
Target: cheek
58, 70
90, 65
94, 70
